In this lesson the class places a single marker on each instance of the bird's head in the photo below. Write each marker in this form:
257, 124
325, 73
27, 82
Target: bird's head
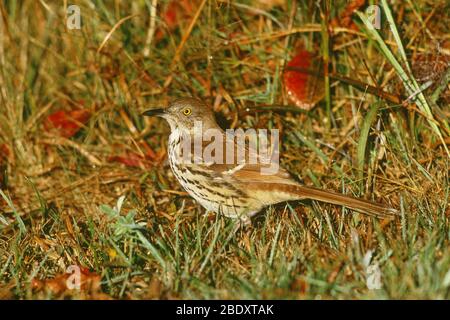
183, 113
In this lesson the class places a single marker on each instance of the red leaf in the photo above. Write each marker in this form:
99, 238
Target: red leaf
149, 153
66, 123
176, 11
90, 285
302, 88
131, 159
345, 18
4, 157
4, 152
170, 15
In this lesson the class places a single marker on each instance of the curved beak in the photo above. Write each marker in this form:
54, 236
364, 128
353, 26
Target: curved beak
158, 112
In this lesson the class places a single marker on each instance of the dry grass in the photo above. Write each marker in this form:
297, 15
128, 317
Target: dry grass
53, 213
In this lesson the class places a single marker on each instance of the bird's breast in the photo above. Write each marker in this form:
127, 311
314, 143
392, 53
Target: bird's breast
213, 190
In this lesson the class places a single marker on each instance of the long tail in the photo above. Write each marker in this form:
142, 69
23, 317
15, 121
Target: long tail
363, 206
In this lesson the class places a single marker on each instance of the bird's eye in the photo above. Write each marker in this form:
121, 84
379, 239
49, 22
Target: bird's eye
187, 111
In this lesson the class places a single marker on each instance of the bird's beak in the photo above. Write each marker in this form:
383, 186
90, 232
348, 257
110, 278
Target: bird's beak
158, 112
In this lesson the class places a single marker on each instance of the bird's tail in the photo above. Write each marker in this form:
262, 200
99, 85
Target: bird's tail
363, 206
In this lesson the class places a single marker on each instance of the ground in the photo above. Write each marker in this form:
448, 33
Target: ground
85, 182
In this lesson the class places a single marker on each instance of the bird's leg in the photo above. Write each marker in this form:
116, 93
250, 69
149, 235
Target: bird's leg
241, 223
241, 220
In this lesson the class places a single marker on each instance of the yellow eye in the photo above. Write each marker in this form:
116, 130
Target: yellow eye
187, 111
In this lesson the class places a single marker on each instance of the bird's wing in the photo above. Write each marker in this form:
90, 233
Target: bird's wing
253, 169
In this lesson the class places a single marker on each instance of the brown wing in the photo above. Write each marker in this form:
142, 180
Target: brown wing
249, 171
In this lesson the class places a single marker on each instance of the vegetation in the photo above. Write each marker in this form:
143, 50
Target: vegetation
84, 178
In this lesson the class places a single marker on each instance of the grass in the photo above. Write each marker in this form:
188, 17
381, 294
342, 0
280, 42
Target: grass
66, 201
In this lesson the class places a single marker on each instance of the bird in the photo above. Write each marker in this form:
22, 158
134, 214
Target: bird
236, 189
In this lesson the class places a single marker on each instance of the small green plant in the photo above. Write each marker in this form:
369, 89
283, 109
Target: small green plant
125, 228
122, 225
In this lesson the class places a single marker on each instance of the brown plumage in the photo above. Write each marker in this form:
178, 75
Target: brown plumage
237, 190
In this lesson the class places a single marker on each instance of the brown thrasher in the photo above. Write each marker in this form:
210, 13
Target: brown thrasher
236, 189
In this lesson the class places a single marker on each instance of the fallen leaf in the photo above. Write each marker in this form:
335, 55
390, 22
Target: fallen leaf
4, 152
431, 67
303, 85
149, 153
60, 285
170, 15
6, 291
300, 286
154, 289
4, 158
345, 18
131, 159
174, 13
67, 123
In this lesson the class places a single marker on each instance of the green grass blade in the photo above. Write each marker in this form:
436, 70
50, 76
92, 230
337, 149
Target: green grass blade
362, 142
